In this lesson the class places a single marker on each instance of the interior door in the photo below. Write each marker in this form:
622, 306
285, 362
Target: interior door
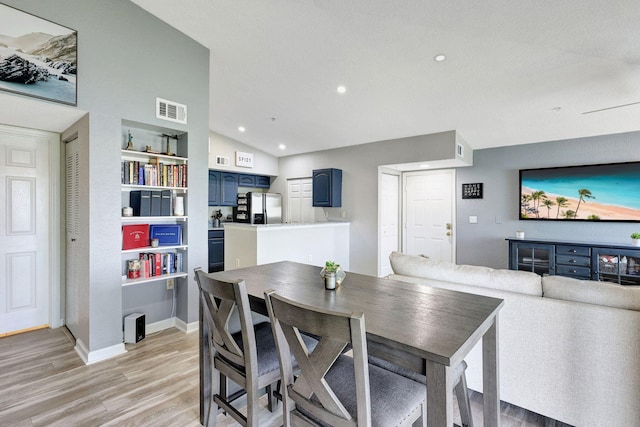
428, 214
300, 200
24, 239
389, 220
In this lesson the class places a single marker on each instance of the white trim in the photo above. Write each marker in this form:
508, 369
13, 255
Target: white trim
185, 327
56, 313
160, 326
90, 357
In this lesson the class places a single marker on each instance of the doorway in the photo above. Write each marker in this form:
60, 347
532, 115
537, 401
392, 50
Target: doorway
428, 213
29, 241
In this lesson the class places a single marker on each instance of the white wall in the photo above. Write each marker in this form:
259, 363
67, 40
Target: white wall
220, 145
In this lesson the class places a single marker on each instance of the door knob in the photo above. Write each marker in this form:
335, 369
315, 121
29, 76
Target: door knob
448, 233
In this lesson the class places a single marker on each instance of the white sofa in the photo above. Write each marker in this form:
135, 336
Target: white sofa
569, 349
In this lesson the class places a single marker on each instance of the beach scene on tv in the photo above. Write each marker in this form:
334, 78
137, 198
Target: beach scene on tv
590, 193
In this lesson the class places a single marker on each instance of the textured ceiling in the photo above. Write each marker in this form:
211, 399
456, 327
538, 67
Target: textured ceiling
516, 71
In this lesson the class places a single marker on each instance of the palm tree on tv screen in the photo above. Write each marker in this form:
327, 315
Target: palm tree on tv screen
584, 194
562, 202
548, 203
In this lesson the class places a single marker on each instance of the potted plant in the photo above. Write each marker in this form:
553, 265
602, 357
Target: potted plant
332, 275
635, 239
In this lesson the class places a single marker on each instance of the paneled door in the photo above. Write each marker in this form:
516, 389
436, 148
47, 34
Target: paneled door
300, 200
429, 213
24, 235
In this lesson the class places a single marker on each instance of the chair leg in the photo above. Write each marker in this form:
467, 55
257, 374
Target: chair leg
272, 402
463, 402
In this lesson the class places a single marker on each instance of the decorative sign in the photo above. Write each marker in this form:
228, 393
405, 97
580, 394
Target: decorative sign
244, 160
472, 191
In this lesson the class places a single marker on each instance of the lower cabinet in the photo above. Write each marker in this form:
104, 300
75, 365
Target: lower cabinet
216, 250
580, 260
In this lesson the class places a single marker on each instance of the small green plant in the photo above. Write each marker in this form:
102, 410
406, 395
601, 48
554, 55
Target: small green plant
331, 267
635, 235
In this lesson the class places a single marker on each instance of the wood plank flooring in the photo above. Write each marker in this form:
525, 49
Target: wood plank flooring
43, 382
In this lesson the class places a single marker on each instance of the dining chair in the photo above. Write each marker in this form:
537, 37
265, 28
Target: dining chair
459, 384
247, 357
333, 388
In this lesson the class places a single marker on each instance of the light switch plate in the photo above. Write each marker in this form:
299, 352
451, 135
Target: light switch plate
473, 219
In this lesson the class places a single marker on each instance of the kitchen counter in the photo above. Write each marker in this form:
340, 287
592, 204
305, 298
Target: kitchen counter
314, 243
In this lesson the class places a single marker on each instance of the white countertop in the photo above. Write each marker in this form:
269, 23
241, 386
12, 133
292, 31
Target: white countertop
286, 225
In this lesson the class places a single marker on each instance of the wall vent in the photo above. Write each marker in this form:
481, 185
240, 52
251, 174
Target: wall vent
172, 111
460, 150
222, 161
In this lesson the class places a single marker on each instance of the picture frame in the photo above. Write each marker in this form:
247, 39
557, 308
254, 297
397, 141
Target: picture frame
38, 58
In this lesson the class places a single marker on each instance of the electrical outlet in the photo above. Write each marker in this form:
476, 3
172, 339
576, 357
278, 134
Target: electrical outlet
170, 283
237, 262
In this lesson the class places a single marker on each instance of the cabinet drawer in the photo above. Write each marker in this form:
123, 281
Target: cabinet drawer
573, 271
573, 250
582, 261
216, 234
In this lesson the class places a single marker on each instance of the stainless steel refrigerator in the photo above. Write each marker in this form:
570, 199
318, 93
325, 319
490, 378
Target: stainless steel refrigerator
264, 208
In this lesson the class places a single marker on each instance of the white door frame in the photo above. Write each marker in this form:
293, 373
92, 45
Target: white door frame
383, 257
56, 315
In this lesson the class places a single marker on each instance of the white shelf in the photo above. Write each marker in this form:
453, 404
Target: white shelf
152, 249
143, 219
130, 282
128, 187
145, 155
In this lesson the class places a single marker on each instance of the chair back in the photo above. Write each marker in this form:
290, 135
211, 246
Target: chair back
220, 302
310, 393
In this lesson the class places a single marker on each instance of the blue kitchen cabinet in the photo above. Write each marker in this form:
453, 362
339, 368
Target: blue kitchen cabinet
262, 181
246, 180
327, 188
214, 188
228, 189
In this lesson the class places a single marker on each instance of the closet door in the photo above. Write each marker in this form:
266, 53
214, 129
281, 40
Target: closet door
72, 241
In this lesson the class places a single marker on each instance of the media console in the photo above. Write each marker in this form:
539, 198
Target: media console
581, 260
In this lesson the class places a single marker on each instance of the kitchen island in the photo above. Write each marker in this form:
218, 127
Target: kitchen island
246, 245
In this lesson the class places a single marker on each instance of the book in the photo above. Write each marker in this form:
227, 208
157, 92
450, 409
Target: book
140, 201
135, 236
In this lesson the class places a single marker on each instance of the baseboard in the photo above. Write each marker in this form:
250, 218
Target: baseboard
151, 328
173, 322
90, 357
185, 327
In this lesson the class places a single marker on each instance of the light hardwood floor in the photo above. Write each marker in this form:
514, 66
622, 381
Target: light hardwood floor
44, 383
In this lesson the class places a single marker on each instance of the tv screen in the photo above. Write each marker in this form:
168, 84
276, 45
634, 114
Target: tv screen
607, 192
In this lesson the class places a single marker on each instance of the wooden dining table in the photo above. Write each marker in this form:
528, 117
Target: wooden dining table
426, 329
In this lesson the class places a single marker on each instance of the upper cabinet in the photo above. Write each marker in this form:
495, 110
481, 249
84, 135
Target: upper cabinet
223, 186
327, 188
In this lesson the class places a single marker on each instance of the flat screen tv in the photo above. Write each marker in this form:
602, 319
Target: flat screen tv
606, 192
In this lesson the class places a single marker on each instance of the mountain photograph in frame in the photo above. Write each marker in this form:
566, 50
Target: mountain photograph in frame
38, 58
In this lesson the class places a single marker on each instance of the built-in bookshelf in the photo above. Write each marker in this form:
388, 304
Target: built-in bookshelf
154, 184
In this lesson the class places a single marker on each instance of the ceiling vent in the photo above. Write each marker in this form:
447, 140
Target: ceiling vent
172, 111
222, 161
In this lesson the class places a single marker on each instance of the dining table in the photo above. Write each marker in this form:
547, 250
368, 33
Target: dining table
426, 329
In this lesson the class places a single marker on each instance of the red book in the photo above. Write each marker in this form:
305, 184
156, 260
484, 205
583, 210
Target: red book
158, 264
135, 236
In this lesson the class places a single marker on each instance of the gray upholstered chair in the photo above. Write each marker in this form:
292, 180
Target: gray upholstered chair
332, 388
247, 357
459, 384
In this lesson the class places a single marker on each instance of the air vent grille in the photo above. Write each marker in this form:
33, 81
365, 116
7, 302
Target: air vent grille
172, 111
460, 150
222, 161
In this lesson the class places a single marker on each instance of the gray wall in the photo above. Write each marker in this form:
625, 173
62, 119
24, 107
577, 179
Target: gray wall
127, 58
483, 243
359, 166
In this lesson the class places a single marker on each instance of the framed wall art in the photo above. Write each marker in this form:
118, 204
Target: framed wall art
37, 57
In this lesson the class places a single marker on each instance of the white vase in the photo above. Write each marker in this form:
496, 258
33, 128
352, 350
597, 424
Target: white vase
635, 242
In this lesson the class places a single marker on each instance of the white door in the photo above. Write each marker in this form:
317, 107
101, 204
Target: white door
72, 209
24, 235
300, 200
389, 209
429, 213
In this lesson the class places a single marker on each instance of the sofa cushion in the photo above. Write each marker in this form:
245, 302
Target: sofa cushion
592, 292
506, 280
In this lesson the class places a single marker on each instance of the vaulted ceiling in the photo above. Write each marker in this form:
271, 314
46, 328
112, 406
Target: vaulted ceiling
515, 71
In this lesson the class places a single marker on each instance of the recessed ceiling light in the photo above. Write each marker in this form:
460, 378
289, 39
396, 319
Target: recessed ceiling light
439, 57
341, 89
424, 166
282, 146
241, 128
